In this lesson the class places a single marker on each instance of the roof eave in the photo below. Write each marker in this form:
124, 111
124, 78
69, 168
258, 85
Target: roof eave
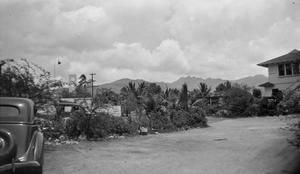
267, 85
263, 65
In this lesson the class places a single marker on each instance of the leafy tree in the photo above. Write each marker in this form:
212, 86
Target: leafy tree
153, 89
223, 86
106, 96
22, 78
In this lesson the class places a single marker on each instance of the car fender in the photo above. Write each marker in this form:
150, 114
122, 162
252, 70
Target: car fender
35, 149
39, 148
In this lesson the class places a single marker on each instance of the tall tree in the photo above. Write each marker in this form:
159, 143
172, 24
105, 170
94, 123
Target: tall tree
183, 99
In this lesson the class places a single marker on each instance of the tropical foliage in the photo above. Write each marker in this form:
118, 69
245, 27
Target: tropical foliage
21, 78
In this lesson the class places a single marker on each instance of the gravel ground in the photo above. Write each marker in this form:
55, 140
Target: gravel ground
230, 146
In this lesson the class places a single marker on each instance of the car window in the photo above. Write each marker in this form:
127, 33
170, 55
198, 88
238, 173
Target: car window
9, 111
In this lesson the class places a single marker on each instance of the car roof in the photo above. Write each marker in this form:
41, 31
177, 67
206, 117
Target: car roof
24, 106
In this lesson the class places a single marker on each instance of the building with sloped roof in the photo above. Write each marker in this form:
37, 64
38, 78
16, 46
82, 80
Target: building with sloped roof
284, 73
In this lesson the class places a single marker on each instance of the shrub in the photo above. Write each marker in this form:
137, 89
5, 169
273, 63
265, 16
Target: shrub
179, 118
50, 129
160, 121
290, 102
99, 126
237, 101
197, 118
121, 126
76, 124
193, 118
103, 125
252, 110
211, 109
223, 113
267, 106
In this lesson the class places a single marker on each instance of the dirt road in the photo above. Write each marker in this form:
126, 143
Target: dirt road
233, 146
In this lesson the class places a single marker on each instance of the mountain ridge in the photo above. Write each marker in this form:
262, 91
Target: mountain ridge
191, 81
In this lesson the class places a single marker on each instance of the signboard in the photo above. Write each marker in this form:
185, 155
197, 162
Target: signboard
111, 110
84, 102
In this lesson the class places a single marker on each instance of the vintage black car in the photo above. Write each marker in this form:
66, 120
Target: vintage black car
21, 141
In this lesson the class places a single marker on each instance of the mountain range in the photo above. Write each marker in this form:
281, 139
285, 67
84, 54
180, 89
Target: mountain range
192, 82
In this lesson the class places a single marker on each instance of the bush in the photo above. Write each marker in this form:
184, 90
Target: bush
267, 106
160, 121
103, 125
237, 101
290, 102
76, 124
197, 118
223, 113
252, 110
121, 126
180, 118
50, 129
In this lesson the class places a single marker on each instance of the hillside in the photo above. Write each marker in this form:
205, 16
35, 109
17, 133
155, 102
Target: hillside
192, 82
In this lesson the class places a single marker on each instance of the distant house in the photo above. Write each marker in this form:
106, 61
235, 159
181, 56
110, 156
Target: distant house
284, 73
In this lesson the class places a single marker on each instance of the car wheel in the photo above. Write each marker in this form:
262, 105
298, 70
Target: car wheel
8, 147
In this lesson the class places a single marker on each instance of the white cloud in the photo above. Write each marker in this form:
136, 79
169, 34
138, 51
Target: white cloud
155, 40
86, 14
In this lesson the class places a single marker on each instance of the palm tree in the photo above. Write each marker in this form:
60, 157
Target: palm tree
129, 96
200, 94
170, 97
82, 81
204, 89
80, 89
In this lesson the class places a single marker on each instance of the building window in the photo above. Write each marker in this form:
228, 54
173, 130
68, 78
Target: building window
281, 70
288, 69
296, 68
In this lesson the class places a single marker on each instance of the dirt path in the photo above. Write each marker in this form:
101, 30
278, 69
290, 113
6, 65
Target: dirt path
238, 146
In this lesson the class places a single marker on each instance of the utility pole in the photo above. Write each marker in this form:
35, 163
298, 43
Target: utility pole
92, 74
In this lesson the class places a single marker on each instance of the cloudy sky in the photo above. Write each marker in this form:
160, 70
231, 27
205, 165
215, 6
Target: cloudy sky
157, 40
